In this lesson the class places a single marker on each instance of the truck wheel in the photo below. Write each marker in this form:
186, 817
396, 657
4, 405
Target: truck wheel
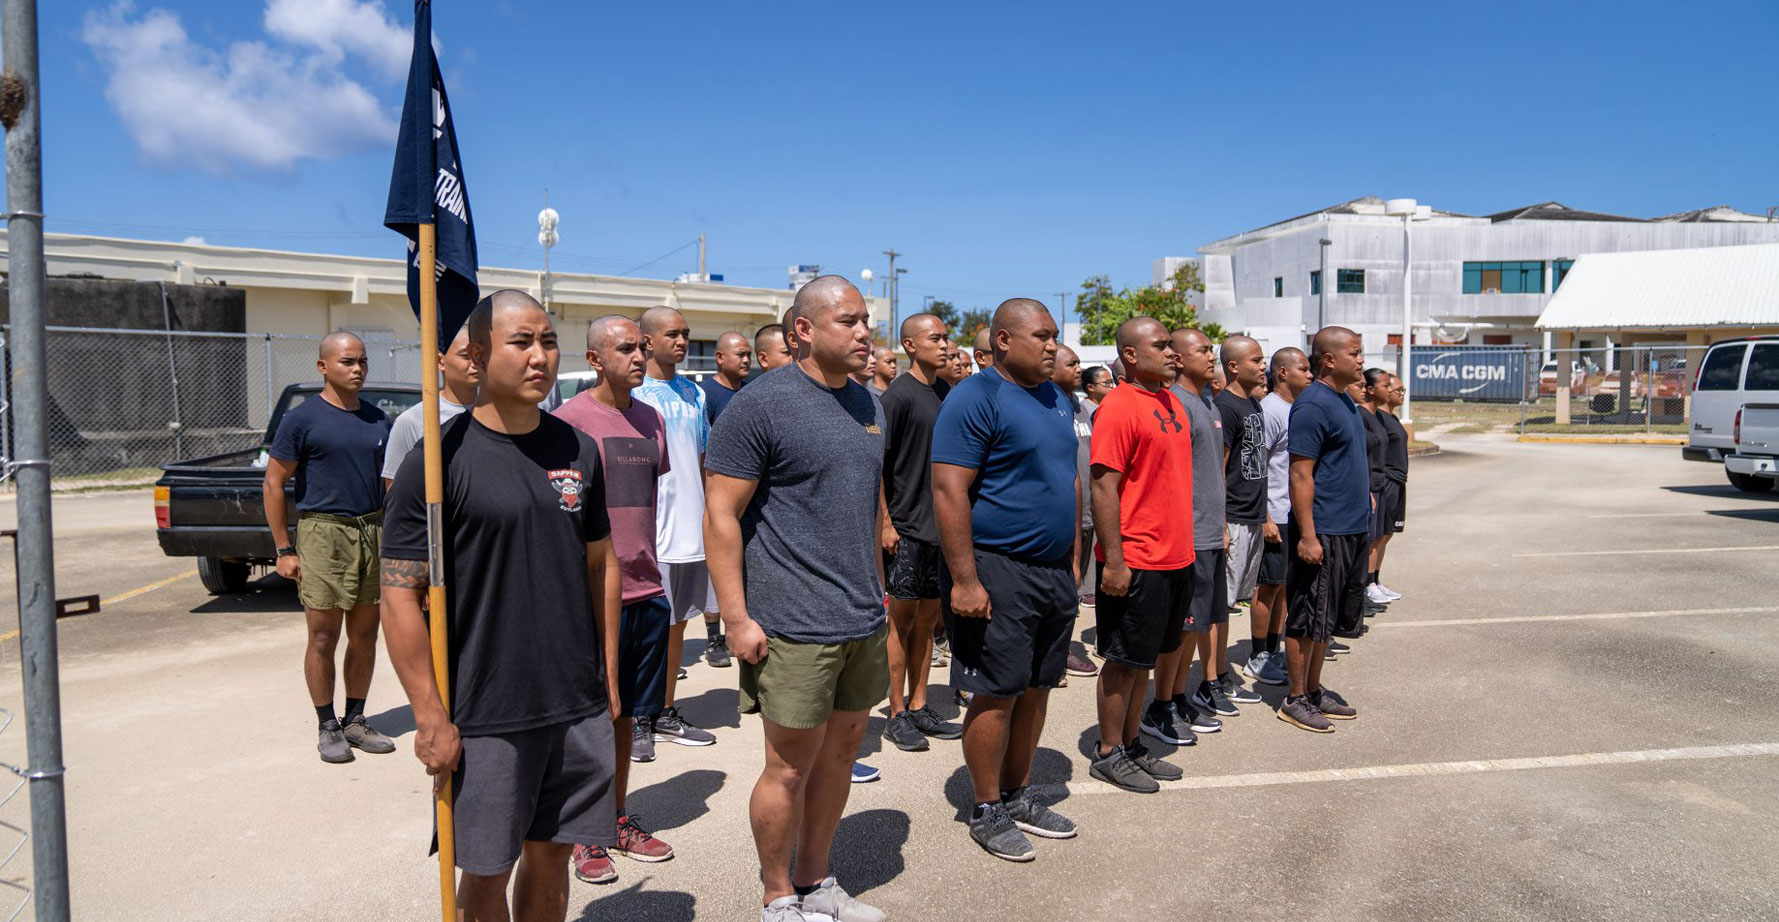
222, 576
1748, 483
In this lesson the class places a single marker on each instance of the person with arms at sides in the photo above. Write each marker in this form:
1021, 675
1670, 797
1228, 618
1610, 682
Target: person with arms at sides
526, 740
1290, 374
733, 358
793, 537
1096, 383
679, 518
1142, 472
1068, 377
1396, 467
1244, 469
1001, 458
770, 347
633, 452
460, 378
910, 537
333, 444
1377, 387
981, 352
1376, 442
1330, 525
883, 369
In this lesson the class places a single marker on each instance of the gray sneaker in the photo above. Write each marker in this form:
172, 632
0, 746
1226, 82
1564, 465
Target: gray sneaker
790, 909
1151, 764
901, 731
362, 736
1299, 712
829, 900
1210, 696
642, 740
993, 828
1236, 691
1119, 771
1274, 672
1033, 816
671, 727
333, 745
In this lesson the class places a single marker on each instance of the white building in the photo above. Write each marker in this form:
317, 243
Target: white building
1478, 280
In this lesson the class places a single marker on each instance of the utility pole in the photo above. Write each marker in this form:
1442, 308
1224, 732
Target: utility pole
891, 284
1062, 307
20, 113
701, 276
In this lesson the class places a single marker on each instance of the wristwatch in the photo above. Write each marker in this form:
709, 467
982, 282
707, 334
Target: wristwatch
287, 551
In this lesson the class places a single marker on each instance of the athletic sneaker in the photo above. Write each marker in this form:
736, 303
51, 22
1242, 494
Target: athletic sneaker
1160, 721
943, 645
1117, 770
637, 842
1299, 712
827, 899
1151, 764
1375, 595
963, 698
1335, 646
864, 774
790, 909
938, 657
1199, 721
717, 653
901, 731
1210, 696
993, 829
1275, 671
642, 740
672, 727
1256, 668
1331, 706
1080, 665
1033, 816
360, 734
928, 721
1235, 690
333, 745
1390, 595
593, 866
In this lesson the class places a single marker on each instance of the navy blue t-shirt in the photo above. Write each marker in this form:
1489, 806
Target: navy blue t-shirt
716, 397
1326, 426
1021, 442
338, 454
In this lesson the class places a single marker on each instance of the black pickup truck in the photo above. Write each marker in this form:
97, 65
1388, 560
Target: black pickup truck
212, 508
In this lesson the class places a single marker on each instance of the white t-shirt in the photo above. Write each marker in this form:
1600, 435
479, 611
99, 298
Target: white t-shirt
1278, 457
679, 498
405, 433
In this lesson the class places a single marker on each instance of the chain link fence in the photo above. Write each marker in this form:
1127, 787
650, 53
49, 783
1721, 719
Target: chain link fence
1624, 389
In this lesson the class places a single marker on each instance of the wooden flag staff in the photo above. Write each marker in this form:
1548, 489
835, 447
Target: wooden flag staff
435, 545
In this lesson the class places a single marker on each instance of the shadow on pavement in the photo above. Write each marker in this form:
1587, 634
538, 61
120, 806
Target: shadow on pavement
633, 902
1051, 770
269, 593
714, 708
393, 723
678, 800
1724, 491
868, 849
1752, 515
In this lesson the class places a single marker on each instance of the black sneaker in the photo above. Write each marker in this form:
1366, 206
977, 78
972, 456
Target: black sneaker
1199, 721
927, 721
1210, 697
1032, 816
995, 831
1152, 764
717, 653
902, 732
1335, 646
1160, 721
1236, 691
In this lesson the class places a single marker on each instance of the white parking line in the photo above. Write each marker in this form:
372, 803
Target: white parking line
1653, 550
1644, 515
1592, 616
1424, 769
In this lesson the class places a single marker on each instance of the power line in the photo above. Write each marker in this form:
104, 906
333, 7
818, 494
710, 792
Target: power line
687, 245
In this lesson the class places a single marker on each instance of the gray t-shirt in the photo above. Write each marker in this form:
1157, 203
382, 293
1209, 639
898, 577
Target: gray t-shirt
808, 536
1277, 442
1207, 470
405, 433
1083, 442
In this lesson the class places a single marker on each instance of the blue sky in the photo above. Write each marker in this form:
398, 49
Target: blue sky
1006, 149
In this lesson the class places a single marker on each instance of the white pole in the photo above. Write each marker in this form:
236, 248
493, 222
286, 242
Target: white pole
1407, 320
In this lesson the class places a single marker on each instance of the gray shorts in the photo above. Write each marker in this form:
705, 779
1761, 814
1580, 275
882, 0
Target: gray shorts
551, 784
1245, 548
689, 592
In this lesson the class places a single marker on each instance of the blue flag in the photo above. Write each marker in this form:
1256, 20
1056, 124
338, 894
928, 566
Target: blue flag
427, 187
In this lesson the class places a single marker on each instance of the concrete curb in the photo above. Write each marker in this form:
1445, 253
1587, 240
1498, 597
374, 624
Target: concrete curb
1423, 451
1554, 439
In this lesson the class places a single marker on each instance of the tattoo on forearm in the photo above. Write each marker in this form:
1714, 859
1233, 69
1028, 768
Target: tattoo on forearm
404, 574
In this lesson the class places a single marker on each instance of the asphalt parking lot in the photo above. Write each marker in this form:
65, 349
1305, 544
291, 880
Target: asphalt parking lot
1566, 718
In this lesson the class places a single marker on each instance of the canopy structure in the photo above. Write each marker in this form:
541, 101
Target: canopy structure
1700, 289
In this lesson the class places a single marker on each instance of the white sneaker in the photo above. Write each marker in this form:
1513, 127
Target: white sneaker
830, 901
790, 909
1375, 595
1389, 593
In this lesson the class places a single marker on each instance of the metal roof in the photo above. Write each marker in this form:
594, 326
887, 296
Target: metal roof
1730, 286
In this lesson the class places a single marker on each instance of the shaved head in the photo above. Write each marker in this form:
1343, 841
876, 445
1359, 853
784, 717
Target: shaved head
821, 295
332, 343
504, 301
659, 318
763, 337
1014, 314
982, 340
917, 324
1286, 356
1327, 341
599, 332
729, 342
1135, 330
1238, 347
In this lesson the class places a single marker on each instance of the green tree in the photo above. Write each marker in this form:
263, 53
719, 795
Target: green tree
946, 311
1101, 310
975, 320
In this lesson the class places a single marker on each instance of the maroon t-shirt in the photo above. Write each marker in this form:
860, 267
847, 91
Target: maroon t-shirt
633, 446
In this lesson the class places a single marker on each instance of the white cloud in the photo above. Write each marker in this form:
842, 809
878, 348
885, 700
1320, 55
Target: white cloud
195, 240
252, 104
338, 27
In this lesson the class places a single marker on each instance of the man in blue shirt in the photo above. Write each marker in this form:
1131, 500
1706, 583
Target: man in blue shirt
733, 357
1003, 453
1330, 525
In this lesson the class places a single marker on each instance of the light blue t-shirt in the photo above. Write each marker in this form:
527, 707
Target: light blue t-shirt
1021, 442
679, 502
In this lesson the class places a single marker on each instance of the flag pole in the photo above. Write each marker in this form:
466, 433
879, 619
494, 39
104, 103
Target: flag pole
435, 543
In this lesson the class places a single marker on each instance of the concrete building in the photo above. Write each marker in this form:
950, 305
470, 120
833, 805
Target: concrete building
1480, 280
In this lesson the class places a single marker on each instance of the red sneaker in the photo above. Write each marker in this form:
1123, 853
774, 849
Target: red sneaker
638, 843
592, 865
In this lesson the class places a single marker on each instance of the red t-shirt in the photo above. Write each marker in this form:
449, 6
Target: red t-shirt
1145, 436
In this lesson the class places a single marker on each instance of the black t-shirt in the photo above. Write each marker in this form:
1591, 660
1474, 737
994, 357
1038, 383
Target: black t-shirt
1377, 443
338, 454
1396, 454
1244, 474
519, 512
909, 410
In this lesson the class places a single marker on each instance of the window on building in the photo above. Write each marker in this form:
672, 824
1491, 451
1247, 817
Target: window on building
1497, 339
701, 355
1763, 368
1558, 269
1278, 286
1315, 282
1723, 368
1349, 281
1508, 278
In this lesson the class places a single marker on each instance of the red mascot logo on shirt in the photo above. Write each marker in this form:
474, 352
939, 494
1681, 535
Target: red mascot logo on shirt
568, 484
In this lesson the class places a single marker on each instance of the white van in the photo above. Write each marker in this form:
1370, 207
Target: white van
1734, 374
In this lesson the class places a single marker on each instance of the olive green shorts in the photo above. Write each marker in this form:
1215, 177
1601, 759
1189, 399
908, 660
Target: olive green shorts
800, 685
339, 560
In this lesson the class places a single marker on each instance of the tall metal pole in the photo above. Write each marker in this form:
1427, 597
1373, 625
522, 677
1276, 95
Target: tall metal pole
1322, 289
36, 561
1408, 328
890, 283
701, 276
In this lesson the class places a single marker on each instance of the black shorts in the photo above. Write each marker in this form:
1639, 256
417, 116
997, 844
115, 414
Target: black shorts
1380, 513
1137, 627
1322, 597
912, 572
1398, 493
643, 629
1210, 590
551, 784
1274, 561
1024, 643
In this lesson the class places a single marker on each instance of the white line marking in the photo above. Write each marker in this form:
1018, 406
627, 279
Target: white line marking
1643, 515
1424, 769
1653, 550
1511, 619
